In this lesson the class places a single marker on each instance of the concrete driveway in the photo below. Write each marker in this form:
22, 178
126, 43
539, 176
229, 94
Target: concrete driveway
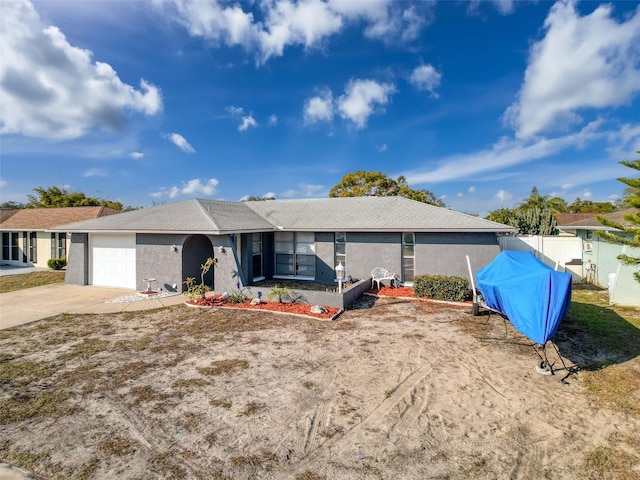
31, 304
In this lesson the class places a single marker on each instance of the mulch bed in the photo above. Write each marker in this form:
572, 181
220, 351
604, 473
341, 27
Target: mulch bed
392, 291
293, 308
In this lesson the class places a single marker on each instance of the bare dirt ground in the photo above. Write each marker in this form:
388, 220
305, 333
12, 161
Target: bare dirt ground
392, 389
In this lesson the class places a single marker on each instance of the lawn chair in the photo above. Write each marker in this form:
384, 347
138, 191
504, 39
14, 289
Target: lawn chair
379, 274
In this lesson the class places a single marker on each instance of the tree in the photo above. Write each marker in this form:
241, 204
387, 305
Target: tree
251, 198
11, 205
587, 206
61, 197
630, 235
534, 200
362, 183
534, 221
502, 215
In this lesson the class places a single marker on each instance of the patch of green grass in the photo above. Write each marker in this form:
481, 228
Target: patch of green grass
21, 408
146, 393
189, 383
119, 446
129, 371
85, 349
22, 372
307, 475
613, 462
165, 465
597, 333
253, 460
11, 283
251, 408
616, 386
219, 367
27, 460
214, 402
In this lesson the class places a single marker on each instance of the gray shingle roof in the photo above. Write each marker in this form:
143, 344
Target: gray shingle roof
369, 214
325, 214
189, 216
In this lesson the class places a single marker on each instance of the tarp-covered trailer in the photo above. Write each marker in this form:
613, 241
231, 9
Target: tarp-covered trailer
534, 297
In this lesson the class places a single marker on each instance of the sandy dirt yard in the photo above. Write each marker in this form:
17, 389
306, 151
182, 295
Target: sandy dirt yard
392, 389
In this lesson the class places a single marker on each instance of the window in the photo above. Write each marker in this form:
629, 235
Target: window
15, 246
257, 255
33, 247
408, 257
59, 247
340, 249
62, 245
295, 254
6, 245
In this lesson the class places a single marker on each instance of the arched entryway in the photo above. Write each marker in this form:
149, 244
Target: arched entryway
195, 251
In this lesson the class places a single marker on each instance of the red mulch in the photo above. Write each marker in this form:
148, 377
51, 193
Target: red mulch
392, 292
295, 308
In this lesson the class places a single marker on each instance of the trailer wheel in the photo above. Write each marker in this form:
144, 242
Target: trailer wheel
543, 368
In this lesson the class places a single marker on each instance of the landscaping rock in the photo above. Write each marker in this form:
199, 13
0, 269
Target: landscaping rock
256, 301
318, 309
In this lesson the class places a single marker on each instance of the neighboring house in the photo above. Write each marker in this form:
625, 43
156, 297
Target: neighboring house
26, 238
282, 239
599, 262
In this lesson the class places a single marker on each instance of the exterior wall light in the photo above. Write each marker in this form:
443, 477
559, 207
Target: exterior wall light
340, 271
174, 248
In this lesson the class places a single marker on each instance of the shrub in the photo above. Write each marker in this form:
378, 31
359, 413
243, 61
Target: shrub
442, 287
57, 263
280, 293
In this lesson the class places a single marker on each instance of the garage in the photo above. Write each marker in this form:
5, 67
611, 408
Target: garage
113, 260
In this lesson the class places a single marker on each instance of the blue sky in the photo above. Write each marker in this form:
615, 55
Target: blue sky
477, 101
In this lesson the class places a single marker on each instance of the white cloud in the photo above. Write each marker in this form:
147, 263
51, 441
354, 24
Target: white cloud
136, 155
307, 190
504, 153
586, 193
582, 62
363, 98
180, 142
273, 120
319, 108
459, 194
382, 148
95, 172
51, 89
191, 187
503, 196
247, 123
3, 183
505, 7
427, 78
472, 189
287, 23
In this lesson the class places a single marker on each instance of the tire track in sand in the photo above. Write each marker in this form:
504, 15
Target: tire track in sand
314, 460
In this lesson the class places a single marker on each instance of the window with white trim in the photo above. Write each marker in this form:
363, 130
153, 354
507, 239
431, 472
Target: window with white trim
33, 247
295, 254
408, 256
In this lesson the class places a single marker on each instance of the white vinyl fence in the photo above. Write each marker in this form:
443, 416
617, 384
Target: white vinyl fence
565, 252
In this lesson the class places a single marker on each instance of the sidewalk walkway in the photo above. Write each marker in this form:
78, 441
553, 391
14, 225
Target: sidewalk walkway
28, 305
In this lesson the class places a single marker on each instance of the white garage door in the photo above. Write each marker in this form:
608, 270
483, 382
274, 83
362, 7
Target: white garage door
113, 260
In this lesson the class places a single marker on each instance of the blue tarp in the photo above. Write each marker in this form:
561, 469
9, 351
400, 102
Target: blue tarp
533, 296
